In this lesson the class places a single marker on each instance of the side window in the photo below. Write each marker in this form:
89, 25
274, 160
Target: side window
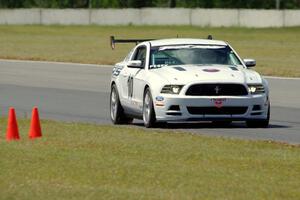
140, 54
233, 59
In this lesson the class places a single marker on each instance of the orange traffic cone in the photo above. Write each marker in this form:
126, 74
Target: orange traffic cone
35, 127
12, 132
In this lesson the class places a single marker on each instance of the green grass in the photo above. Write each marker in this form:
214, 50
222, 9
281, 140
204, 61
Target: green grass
85, 161
276, 50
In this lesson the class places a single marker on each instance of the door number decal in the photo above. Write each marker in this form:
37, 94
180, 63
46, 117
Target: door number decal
130, 86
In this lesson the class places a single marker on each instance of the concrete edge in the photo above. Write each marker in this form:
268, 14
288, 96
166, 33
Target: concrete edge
53, 62
282, 78
217, 17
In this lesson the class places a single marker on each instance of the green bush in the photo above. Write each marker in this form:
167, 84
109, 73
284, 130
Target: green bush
266, 4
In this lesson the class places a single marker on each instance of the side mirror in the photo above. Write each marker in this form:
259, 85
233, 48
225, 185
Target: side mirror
135, 64
249, 62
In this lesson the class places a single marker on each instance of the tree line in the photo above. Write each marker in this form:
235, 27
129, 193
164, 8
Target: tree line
259, 4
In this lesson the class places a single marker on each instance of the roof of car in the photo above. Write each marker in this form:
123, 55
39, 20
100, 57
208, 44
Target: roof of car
185, 41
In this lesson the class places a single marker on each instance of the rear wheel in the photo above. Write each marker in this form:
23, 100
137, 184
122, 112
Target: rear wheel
148, 110
116, 111
260, 123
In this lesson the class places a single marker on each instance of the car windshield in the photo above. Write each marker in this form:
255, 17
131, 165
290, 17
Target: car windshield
192, 54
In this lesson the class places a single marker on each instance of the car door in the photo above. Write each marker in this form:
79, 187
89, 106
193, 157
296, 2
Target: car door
123, 79
135, 79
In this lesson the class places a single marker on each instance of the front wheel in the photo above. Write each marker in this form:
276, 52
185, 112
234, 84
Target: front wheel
148, 110
116, 111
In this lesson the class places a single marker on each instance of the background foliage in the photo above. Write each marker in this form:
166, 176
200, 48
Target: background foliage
267, 4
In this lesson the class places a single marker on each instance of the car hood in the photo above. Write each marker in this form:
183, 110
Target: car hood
209, 73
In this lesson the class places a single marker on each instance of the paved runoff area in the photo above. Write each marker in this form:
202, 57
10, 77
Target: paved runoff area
77, 92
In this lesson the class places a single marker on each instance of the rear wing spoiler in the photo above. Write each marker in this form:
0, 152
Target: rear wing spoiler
113, 41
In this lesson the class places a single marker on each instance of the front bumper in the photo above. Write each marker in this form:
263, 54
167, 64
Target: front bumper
175, 107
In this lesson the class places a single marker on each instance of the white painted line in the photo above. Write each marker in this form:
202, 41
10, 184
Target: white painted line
282, 78
52, 62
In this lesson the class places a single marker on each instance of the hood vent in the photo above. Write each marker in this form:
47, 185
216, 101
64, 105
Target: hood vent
179, 68
234, 68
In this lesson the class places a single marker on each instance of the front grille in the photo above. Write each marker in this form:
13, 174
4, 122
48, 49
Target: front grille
217, 90
228, 110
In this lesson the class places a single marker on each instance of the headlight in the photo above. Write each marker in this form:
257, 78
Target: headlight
256, 88
171, 89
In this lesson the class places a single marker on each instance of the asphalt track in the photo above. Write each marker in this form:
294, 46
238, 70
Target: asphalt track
75, 92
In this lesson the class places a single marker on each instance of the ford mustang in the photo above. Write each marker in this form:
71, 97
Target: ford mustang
171, 80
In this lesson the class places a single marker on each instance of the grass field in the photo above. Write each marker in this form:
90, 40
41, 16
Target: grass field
276, 50
85, 161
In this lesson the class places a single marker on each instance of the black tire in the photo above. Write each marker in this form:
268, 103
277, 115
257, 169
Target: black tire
260, 123
148, 110
221, 123
117, 115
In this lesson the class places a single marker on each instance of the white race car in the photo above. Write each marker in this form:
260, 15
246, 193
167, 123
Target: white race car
187, 80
